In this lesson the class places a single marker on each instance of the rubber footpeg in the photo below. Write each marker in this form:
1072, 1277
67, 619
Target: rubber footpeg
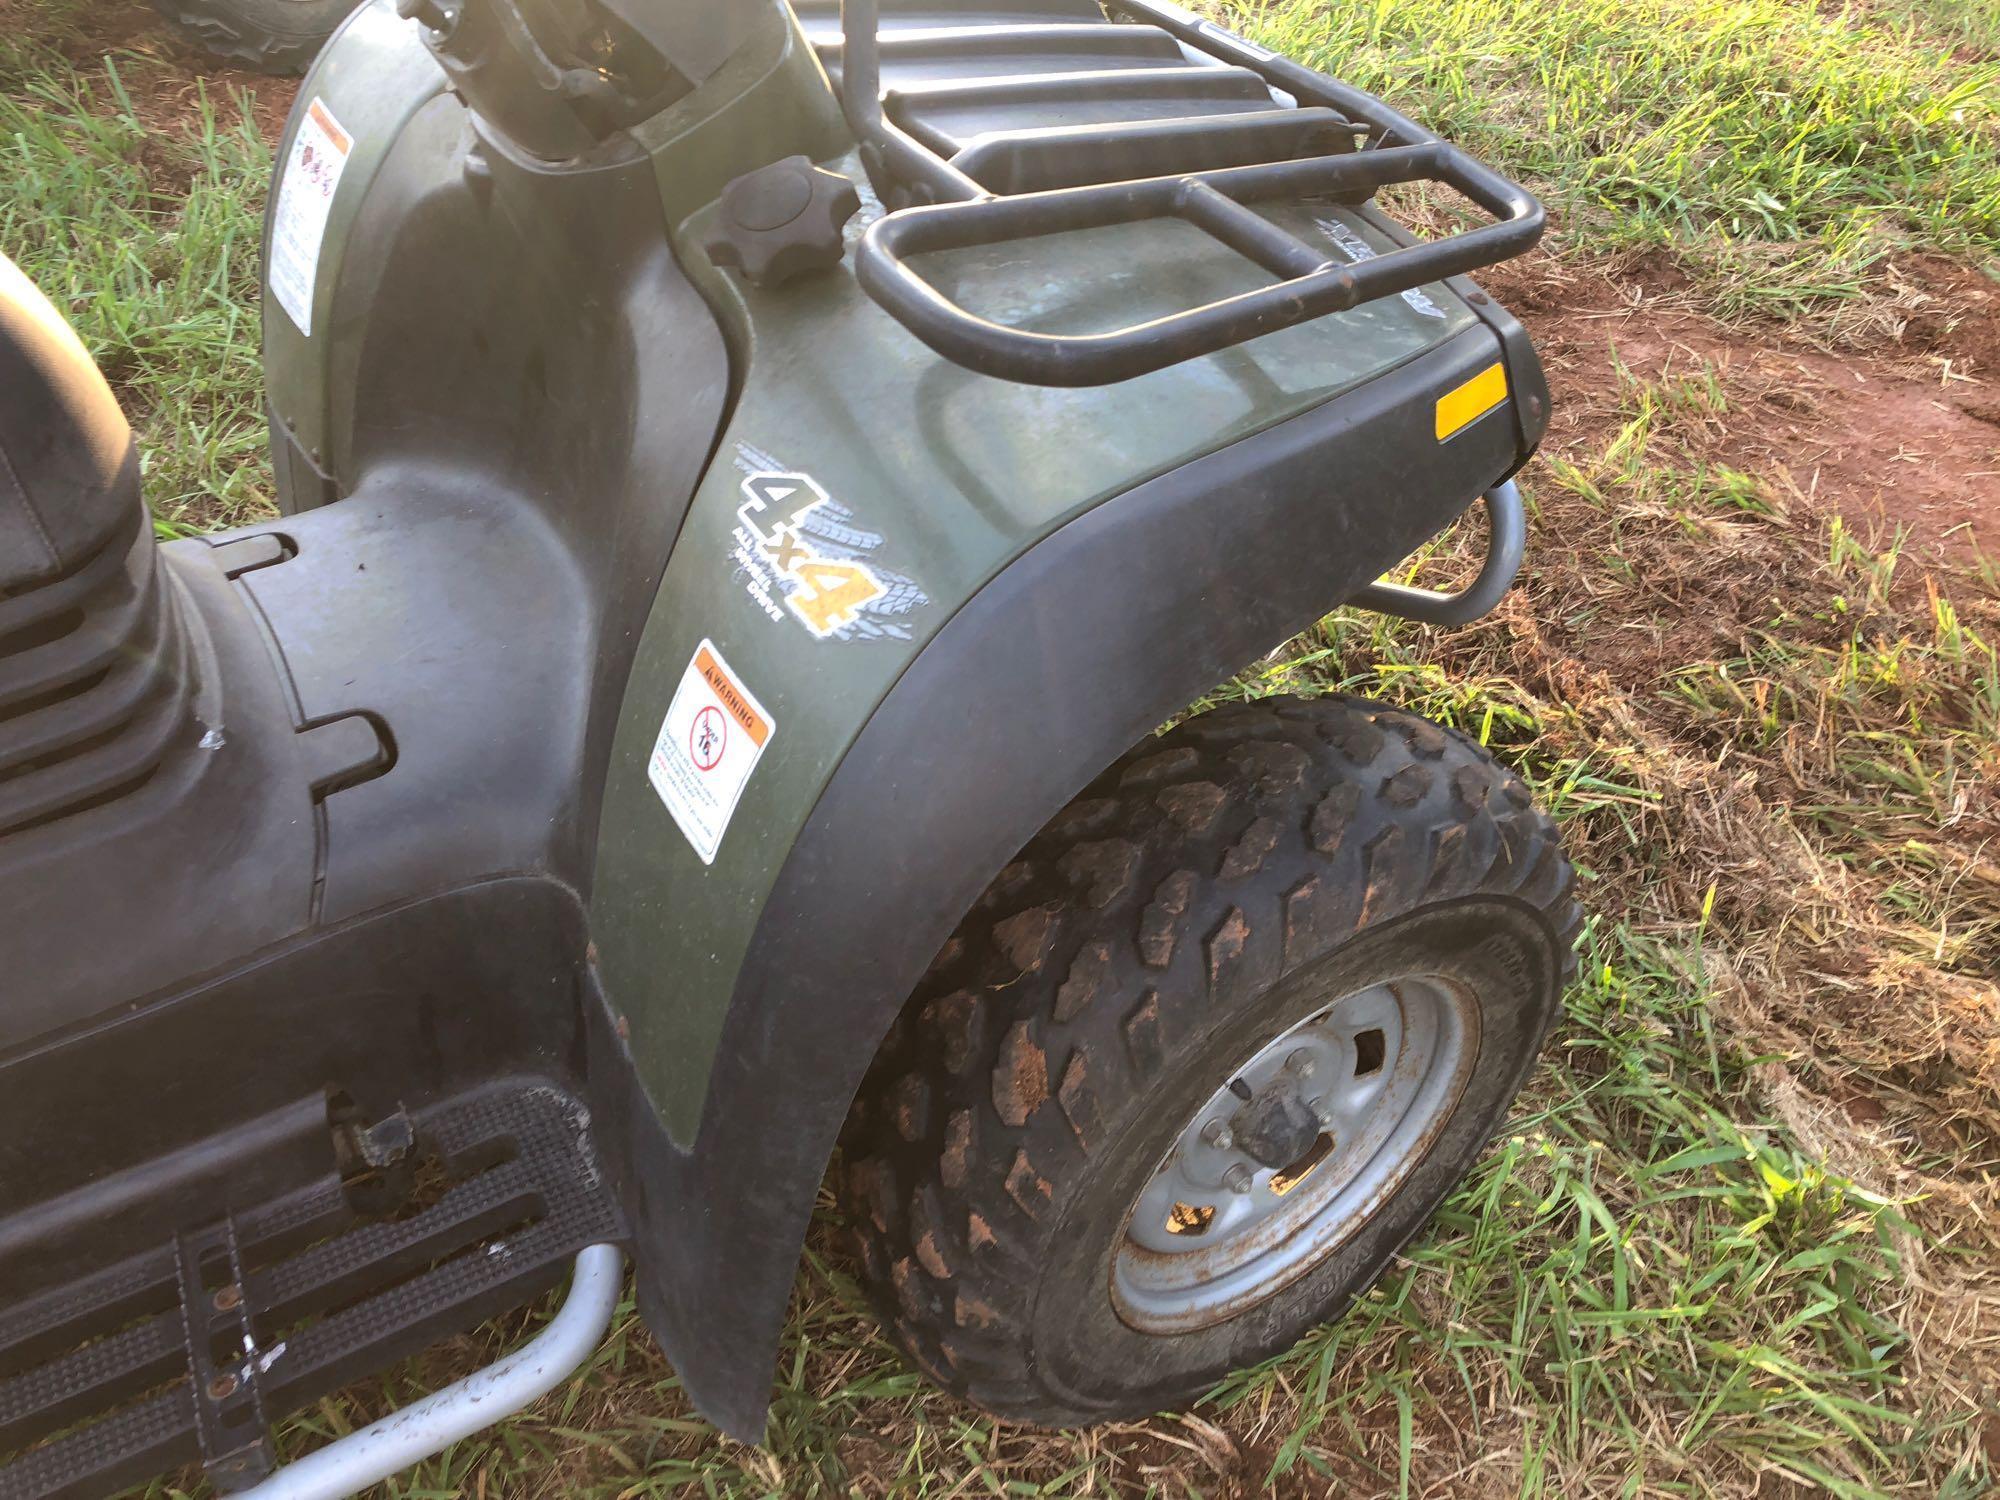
782, 221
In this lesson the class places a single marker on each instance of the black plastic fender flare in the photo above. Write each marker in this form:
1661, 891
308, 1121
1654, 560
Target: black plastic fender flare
1092, 638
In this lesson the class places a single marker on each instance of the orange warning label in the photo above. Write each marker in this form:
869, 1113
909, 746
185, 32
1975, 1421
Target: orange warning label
322, 117
714, 734
731, 697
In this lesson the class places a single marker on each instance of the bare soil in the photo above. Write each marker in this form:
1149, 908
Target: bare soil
1905, 434
163, 73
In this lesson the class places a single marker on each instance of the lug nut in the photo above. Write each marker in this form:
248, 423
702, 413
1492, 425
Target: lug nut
1300, 1064
1237, 1179
1322, 1111
1218, 1135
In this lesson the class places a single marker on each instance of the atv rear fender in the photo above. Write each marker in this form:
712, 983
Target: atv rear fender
1173, 585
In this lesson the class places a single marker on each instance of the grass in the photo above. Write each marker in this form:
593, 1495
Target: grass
149, 241
1739, 1239
1971, 27
1780, 149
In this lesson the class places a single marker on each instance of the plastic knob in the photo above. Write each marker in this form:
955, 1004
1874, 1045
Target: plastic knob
783, 220
431, 13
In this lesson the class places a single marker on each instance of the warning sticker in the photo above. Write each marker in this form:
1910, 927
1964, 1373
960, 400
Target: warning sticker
305, 198
714, 735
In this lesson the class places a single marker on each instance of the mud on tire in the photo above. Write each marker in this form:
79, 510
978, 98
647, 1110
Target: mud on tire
267, 36
1102, 988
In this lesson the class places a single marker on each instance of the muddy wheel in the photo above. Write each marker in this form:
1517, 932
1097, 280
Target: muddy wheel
1205, 1056
269, 36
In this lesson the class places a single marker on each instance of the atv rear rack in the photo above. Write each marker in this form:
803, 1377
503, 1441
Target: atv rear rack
1337, 142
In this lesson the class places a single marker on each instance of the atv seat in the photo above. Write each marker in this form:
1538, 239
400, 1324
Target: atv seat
69, 469
96, 675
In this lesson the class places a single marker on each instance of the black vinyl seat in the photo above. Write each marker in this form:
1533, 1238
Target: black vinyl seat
96, 671
69, 469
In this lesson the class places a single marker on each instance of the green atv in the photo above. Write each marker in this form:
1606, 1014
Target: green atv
753, 479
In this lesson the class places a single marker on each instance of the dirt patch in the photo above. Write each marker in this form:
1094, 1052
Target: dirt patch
1904, 437
1954, 312
164, 75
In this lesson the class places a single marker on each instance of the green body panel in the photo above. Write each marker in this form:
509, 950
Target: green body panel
956, 474
374, 75
767, 102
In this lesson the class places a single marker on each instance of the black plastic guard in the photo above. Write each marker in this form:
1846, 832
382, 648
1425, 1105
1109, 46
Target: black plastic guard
186, 1353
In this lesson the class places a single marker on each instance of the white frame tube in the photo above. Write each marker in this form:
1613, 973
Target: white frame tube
426, 1428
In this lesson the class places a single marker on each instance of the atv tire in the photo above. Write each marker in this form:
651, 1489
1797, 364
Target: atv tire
266, 36
1209, 891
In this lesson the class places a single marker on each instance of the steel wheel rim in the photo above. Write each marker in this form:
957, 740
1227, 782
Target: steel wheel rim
1379, 1071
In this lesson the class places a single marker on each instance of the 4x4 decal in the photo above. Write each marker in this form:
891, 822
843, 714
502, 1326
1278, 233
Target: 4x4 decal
800, 554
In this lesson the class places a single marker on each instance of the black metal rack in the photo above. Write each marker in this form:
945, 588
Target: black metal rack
1337, 142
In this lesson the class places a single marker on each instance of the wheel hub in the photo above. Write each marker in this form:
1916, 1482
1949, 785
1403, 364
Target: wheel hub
1277, 1126
1303, 1141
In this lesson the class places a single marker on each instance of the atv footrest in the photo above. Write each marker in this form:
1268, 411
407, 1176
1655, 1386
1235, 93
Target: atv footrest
186, 1354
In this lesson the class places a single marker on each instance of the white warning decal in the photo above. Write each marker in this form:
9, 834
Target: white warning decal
305, 198
715, 734
802, 555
